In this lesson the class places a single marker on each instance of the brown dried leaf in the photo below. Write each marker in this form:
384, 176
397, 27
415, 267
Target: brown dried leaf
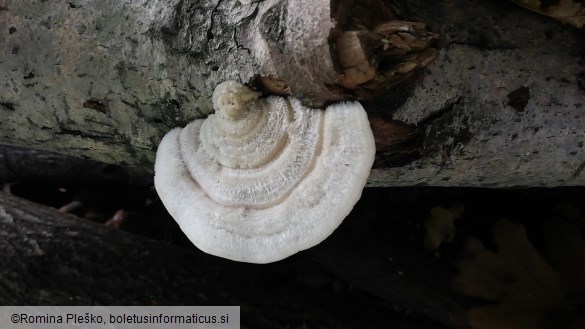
440, 225
567, 11
372, 60
522, 284
354, 60
274, 85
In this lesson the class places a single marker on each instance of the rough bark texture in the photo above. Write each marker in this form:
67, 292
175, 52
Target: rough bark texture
501, 106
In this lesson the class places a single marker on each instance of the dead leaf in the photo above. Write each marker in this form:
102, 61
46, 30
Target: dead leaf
567, 11
440, 226
523, 287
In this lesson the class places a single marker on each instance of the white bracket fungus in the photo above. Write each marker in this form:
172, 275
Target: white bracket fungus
262, 179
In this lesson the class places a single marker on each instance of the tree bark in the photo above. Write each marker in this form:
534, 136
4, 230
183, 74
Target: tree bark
500, 106
24, 165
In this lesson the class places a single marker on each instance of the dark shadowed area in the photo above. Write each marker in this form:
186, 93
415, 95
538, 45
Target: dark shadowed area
112, 243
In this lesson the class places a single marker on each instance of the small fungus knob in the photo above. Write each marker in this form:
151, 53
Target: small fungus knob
231, 100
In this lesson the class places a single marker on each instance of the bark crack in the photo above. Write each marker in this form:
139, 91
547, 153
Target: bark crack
8, 106
578, 170
481, 45
214, 11
441, 112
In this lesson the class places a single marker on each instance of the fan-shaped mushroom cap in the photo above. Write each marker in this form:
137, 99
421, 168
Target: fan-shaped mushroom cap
262, 179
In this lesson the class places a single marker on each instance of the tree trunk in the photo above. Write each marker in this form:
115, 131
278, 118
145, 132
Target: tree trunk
24, 165
500, 106
51, 258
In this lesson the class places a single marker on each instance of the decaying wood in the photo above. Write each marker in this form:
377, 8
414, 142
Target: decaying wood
106, 79
373, 61
329, 51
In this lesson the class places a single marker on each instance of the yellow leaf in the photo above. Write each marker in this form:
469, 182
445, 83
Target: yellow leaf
567, 11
